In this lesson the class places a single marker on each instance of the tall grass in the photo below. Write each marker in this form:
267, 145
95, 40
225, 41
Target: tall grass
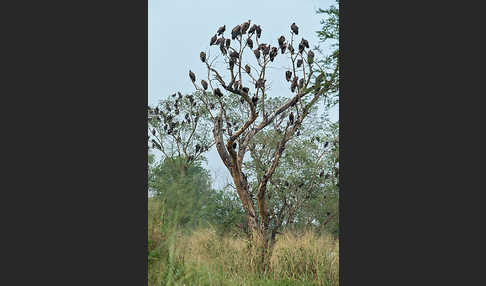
203, 257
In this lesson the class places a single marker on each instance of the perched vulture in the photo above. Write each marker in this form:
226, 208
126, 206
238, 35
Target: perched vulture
254, 99
301, 48
262, 46
288, 75
223, 50
180, 94
281, 41
220, 41
202, 55
204, 84
245, 27
228, 42
294, 28
252, 29
260, 83
305, 43
247, 68
250, 43
258, 31
291, 48
192, 76
213, 40
235, 32
221, 30
282, 48
273, 53
266, 50
234, 145
232, 62
291, 118
257, 53
299, 63
173, 95
294, 84
218, 93
310, 57
301, 83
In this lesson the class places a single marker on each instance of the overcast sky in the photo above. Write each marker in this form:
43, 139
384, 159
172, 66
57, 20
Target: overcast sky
179, 30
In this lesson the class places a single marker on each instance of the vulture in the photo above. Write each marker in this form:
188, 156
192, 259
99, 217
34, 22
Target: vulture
258, 31
260, 83
299, 63
192, 76
245, 27
234, 145
247, 68
257, 53
288, 75
213, 40
223, 50
305, 43
153, 132
235, 32
250, 43
282, 48
232, 62
173, 95
294, 28
252, 29
310, 56
291, 118
220, 41
301, 48
204, 84
291, 48
254, 99
228, 42
221, 30
294, 84
273, 53
218, 93
202, 55
180, 94
301, 83
325, 145
281, 41
245, 90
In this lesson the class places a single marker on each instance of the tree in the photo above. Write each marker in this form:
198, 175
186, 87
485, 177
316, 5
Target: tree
240, 108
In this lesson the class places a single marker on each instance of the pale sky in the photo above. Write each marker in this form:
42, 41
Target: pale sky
179, 30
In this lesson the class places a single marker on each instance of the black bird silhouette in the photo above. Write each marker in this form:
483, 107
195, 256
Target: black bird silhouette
250, 43
288, 75
258, 31
232, 62
228, 43
305, 42
260, 83
294, 84
301, 48
291, 118
218, 92
222, 49
299, 63
220, 41
245, 90
234, 54
247, 68
282, 48
301, 83
204, 84
213, 40
235, 32
153, 132
180, 94
221, 30
273, 53
192, 76
257, 53
294, 28
310, 57
252, 29
254, 99
202, 55
291, 48
281, 41
245, 27
173, 95
325, 144
266, 50
234, 145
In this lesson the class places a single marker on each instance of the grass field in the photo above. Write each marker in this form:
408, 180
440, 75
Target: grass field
202, 257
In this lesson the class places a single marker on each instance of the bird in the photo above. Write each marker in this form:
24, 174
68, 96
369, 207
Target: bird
252, 28
257, 53
234, 54
213, 40
220, 41
221, 30
218, 92
228, 43
222, 49
247, 68
260, 83
294, 84
249, 41
245, 27
281, 41
325, 145
173, 95
254, 99
305, 42
291, 48
180, 94
299, 63
294, 28
153, 132
266, 50
273, 53
258, 31
291, 118
310, 57
202, 55
282, 48
301, 83
232, 62
192, 76
288, 75
234, 145
301, 48
204, 84
235, 32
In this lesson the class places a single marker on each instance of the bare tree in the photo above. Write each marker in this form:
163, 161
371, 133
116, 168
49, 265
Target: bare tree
240, 93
